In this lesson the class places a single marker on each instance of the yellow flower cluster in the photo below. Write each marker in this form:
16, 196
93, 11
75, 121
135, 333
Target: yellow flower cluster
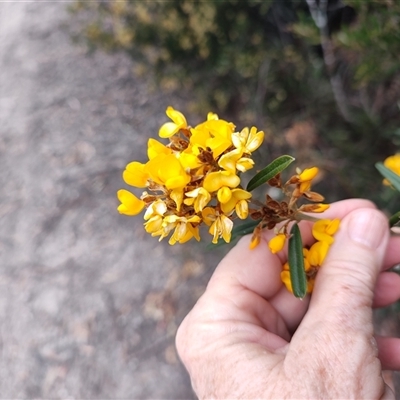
323, 231
193, 179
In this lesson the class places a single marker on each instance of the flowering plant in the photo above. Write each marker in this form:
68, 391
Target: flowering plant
195, 180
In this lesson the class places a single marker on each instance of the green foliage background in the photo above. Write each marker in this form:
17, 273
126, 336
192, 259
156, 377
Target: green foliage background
322, 78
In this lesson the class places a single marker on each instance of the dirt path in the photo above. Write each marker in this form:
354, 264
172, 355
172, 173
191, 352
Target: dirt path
89, 305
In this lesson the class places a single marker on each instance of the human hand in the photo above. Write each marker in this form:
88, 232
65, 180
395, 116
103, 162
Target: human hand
248, 337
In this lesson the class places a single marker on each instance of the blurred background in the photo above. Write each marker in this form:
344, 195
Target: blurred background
89, 303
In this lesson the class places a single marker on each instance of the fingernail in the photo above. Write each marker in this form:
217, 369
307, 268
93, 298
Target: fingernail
367, 227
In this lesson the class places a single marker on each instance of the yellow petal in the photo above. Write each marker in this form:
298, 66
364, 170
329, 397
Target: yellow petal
224, 194
317, 253
168, 129
154, 148
209, 215
244, 164
277, 242
285, 278
135, 174
242, 209
254, 140
308, 174
177, 117
393, 163
177, 196
228, 161
215, 180
130, 204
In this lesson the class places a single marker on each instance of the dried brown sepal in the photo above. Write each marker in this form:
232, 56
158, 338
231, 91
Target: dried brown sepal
255, 214
293, 180
275, 181
178, 144
309, 207
314, 196
206, 156
148, 198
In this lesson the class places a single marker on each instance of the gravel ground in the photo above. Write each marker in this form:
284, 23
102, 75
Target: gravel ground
89, 304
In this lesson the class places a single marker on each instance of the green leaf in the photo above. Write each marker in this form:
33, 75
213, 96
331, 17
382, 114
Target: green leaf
237, 232
271, 170
393, 178
296, 263
394, 219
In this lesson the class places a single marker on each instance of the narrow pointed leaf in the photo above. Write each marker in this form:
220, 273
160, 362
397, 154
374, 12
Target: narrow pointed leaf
393, 178
271, 170
394, 219
296, 263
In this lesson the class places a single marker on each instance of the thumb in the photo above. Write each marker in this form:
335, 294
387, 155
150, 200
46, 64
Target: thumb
347, 279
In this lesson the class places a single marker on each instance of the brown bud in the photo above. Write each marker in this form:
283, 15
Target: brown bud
313, 196
294, 179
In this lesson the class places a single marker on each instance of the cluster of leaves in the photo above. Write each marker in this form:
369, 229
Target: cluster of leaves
325, 72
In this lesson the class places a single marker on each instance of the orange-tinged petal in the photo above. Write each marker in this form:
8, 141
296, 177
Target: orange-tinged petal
285, 278
317, 253
277, 242
130, 204
393, 163
209, 215
321, 208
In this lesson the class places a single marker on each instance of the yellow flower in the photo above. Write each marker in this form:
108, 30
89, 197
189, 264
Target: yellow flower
154, 148
154, 216
171, 128
216, 180
317, 253
277, 242
233, 161
167, 170
392, 163
184, 229
135, 174
220, 224
130, 204
306, 177
199, 198
238, 202
324, 229
213, 133
247, 141
224, 194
